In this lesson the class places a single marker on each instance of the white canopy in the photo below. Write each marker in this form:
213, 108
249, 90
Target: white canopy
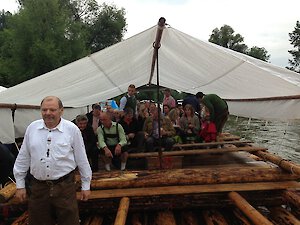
2, 88
185, 63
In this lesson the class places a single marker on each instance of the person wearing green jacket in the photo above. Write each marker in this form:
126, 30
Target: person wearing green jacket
217, 107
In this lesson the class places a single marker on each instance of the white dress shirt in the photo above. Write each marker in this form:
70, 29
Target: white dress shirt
52, 153
123, 102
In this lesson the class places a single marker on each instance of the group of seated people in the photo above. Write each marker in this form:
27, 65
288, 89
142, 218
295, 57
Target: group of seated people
142, 127
114, 137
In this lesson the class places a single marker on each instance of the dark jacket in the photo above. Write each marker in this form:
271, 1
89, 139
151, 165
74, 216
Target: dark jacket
192, 100
133, 127
89, 138
90, 118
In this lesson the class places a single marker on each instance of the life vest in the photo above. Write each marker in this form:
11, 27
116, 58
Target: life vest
131, 103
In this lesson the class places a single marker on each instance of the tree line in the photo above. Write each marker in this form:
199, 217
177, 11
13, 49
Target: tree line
47, 34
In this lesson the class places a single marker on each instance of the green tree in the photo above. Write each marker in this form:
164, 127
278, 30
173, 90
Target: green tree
259, 53
107, 28
44, 38
4, 16
295, 41
104, 24
225, 37
47, 34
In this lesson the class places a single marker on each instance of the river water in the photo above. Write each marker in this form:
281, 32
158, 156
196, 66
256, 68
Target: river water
281, 138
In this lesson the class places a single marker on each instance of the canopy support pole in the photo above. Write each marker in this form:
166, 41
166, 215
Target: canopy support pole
156, 45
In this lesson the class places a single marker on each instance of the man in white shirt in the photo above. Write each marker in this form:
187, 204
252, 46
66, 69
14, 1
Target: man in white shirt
52, 149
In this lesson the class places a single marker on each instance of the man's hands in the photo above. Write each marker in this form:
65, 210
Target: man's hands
108, 152
21, 194
118, 149
85, 194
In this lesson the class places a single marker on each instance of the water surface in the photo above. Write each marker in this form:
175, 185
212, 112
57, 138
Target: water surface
280, 138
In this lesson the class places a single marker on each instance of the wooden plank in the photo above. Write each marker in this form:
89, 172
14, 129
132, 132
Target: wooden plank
183, 146
248, 210
192, 189
197, 151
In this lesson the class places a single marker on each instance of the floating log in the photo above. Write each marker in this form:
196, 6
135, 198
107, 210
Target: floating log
191, 189
292, 197
214, 217
283, 216
7, 192
165, 218
191, 177
248, 210
122, 211
284, 164
197, 151
189, 218
22, 220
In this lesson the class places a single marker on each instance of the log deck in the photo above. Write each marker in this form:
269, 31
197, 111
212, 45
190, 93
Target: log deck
236, 179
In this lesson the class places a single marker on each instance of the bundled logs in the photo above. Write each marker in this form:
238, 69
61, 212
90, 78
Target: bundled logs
94, 220
22, 220
213, 217
136, 219
292, 197
242, 219
165, 218
248, 210
189, 218
7, 192
283, 217
191, 177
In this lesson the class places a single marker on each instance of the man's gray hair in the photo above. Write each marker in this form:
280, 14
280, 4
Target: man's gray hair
81, 117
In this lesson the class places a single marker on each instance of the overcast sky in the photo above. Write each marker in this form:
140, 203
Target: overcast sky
262, 23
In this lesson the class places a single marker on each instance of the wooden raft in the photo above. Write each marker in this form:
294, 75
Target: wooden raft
205, 194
